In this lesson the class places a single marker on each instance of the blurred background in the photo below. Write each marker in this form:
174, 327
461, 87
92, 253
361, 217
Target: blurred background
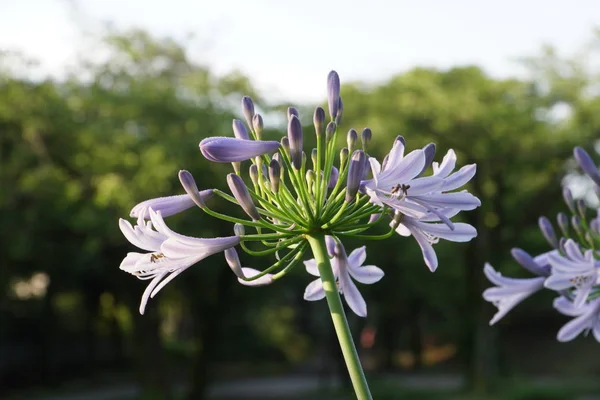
103, 101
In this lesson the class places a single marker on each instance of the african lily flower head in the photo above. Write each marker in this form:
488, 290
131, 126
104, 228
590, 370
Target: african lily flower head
295, 197
571, 267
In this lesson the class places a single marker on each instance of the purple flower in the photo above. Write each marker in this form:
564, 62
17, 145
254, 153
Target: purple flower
428, 230
587, 318
577, 270
508, 292
344, 269
227, 149
168, 206
168, 253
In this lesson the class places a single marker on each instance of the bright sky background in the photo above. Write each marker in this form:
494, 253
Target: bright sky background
288, 47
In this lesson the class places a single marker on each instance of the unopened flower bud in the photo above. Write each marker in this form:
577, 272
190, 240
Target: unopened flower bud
340, 112
577, 226
343, 156
285, 144
295, 138
240, 192
330, 131
274, 175
587, 164
228, 149
355, 174
563, 223
365, 138
233, 260
190, 187
333, 93
568, 196
258, 125
248, 109
548, 231
527, 262
253, 172
319, 121
239, 130
351, 139
335, 175
239, 230
581, 208
292, 111
310, 179
313, 157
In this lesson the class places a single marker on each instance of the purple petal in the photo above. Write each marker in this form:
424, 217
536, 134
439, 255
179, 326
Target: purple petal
358, 257
262, 281
429, 255
352, 296
314, 291
226, 149
168, 206
368, 274
527, 262
459, 178
311, 267
587, 164
573, 328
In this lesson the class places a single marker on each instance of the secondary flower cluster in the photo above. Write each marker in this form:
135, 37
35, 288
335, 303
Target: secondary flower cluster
570, 268
290, 195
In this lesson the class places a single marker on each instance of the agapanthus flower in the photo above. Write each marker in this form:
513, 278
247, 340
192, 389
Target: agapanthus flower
570, 268
297, 197
508, 291
429, 229
587, 318
574, 270
345, 268
168, 253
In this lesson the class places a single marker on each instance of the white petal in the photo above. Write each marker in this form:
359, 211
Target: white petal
314, 290
367, 274
429, 255
574, 327
352, 296
459, 178
424, 185
396, 155
460, 200
357, 257
137, 238
407, 169
250, 272
149, 289
311, 267
462, 232
447, 166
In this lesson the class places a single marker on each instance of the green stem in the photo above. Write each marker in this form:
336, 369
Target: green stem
359, 382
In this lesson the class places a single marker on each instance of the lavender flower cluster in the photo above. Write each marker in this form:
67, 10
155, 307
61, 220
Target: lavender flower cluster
570, 268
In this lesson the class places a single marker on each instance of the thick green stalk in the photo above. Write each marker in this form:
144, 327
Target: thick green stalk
359, 382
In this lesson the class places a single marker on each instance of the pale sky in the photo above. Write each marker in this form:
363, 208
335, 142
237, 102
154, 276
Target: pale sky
287, 47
